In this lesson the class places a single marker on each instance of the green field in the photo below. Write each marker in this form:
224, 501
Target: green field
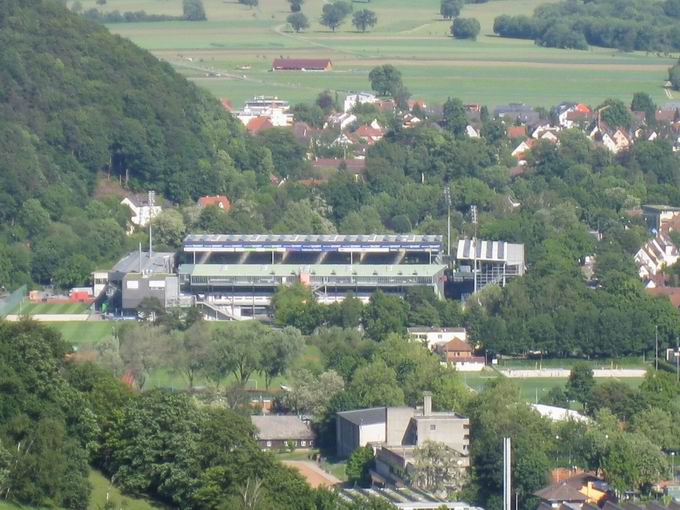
532, 389
78, 333
409, 34
26, 307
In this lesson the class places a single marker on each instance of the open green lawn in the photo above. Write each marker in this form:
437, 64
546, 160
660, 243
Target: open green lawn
628, 362
409, 34
26, 307
532, 389
78, 333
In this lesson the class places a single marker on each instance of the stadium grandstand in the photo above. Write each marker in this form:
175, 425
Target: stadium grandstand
235, 276
495, 261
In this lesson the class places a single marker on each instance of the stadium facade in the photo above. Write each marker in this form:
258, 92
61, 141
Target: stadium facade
235, 276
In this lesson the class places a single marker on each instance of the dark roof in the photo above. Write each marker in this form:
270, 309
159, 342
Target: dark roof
281, 428
297, 64
430, 329
560, 492
365, 416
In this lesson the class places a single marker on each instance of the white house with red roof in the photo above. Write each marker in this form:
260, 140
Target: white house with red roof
218, 201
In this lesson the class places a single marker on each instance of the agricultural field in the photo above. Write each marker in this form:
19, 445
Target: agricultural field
231, 54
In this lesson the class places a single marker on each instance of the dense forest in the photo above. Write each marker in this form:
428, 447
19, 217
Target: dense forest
78, 104
629, 25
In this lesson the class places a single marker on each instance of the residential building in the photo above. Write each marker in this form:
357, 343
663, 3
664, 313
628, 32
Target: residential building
341, 120
355, 98
256, 125
579, 491
265, 112
517, 112
516, 132
434, 337
655, 255
274, 432
571, 115
460, 355
143, 211
218, 201
661, 218
302, 64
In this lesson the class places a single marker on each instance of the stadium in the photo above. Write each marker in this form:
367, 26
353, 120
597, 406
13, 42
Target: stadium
235, 276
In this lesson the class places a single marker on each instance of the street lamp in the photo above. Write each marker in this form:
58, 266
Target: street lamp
672, 466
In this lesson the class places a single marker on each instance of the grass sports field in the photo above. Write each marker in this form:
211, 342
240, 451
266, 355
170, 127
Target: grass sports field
409, 34
26, 307
535, 388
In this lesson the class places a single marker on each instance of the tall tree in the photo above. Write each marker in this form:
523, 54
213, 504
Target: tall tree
296, 5
453, 116
298, 21
239, 348
193, 10
438, 469
364, 19
581, 383
385, 79
450, 8
334, 14
279, 350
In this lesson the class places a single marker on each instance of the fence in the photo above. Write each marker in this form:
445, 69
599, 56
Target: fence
11, 303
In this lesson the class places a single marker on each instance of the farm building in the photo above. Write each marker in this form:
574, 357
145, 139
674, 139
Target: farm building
302, 64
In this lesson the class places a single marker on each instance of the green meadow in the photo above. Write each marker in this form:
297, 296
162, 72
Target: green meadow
410, 35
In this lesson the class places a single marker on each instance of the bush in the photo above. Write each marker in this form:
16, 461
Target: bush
465, 28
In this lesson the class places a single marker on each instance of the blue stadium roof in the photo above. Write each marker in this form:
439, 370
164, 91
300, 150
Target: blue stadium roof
312, 242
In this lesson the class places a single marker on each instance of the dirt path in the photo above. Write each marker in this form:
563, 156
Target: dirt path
315, 476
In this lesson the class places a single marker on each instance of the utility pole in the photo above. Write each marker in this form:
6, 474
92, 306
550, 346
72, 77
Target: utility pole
447, 197
656, 348
677, 360
473, 212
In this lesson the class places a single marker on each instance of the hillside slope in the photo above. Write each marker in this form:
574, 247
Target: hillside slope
75, 100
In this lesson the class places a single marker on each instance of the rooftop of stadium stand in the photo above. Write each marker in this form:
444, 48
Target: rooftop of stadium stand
312, 238
216, 270
492, 251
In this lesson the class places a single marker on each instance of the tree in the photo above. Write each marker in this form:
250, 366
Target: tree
674, 76
383, 315
279, 350
450, 8
453, 116
385, 79
295, 6
438, 469
465, 28
193, 10
311, 394
581, 383
364, 19
190, 351
334, 14
632, 461
642, 102
238, 348
376, 385
168, 228
73, 271
143, 348
298, 21
34, 218
615, 113
358, 467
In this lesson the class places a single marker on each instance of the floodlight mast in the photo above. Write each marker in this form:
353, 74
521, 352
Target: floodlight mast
447, 197
473, 213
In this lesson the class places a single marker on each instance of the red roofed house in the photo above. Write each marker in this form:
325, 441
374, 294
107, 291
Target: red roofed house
517, 132
302, 64
218, 200
460, 354
259, 124
523, 149
369, 133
